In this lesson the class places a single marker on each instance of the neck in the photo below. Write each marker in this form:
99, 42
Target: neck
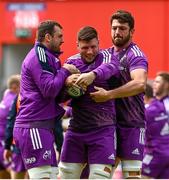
45, 44
117, 48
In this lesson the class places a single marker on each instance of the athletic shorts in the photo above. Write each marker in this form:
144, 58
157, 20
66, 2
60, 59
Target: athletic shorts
95, 147
130, 143
36, 146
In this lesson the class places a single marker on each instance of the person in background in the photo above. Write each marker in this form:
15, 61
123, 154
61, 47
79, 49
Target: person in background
10, 94
42, 78
11, 152
148, 96
127, 92
156, 155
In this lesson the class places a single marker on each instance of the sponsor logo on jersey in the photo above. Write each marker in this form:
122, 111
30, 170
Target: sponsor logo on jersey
29, 160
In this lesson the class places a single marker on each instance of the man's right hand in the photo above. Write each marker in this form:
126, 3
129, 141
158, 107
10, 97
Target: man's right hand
70, 81
86, 79
71, 68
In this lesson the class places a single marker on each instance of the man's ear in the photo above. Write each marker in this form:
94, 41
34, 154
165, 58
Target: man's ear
132, 31
48, 37
77, 44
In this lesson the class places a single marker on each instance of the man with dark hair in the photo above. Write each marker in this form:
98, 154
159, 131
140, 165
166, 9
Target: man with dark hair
156, 156
90, 137
128, 92
42, 78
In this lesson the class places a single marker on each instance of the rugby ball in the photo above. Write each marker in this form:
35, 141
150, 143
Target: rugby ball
75, 91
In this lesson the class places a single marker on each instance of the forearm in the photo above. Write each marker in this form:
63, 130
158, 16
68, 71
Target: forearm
105, 71
132, 88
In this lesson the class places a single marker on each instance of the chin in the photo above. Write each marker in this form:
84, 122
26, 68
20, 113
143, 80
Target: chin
89, 60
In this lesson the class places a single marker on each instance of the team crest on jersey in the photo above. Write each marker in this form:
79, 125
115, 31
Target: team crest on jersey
47, 155
56, 59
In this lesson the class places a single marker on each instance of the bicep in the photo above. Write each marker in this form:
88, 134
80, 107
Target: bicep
139, 75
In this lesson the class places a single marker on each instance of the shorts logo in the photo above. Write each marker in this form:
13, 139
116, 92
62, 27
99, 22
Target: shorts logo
47, 155
111, 156
136, 151
30, 160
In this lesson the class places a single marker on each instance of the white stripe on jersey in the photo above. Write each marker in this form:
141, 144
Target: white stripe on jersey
166, 105
106, 56
137, 51
35, 138
75, 56
41, 53
142, 136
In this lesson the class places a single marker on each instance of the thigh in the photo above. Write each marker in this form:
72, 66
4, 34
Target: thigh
102, 146
130, 143
73, 149
36, 146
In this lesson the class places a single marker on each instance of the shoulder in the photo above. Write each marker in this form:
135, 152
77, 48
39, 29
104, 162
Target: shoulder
135, 51
41, 53
107, 55
76, 58
153, 107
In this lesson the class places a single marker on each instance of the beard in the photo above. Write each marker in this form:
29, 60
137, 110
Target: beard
120, 42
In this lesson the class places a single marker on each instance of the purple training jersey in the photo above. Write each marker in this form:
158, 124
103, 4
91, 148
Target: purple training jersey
87, 114
42, 79
156, 156
130, 110
157, 126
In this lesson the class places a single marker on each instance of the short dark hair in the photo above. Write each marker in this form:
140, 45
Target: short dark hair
123, 17
149, 91
164, 75
46, 27
87, 33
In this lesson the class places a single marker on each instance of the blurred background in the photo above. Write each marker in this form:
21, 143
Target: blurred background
19, 20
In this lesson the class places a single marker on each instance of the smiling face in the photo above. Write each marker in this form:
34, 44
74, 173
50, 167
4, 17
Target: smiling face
121, 33
89, 49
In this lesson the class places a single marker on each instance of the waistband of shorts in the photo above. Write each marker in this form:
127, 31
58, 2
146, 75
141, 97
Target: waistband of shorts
47, 124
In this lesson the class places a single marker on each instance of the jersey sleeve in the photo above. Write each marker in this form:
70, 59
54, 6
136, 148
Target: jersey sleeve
108, 68
49, 82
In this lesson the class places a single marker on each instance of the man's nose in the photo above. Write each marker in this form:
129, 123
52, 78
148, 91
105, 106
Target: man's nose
90, 51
